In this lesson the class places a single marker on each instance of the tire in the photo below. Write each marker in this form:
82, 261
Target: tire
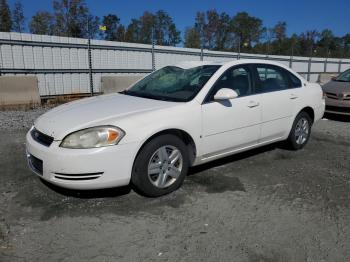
161, 166
300, 133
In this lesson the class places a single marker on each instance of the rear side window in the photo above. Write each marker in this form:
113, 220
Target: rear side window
271, 78
294, 81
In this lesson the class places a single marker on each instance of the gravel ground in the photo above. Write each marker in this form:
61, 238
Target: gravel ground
19, 120
265, 205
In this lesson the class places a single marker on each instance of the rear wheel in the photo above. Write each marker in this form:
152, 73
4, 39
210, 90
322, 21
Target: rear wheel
300, 132
161, 166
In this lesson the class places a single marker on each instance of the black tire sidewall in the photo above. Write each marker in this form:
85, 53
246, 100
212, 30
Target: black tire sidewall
139, 177
291, 139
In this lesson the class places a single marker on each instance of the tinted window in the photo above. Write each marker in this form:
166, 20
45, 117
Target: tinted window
236, 78
294, 81
344, 77
271, 79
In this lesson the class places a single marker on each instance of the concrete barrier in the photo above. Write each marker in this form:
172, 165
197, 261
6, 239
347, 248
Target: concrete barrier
19, 90
113, 84
325, 78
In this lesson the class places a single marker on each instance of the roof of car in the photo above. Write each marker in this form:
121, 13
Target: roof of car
191, 64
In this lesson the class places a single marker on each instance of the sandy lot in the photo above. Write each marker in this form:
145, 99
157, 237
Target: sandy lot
264, 205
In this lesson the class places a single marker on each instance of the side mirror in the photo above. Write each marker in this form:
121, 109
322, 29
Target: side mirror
225, 94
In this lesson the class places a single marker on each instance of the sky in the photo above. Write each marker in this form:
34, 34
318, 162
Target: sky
300, 15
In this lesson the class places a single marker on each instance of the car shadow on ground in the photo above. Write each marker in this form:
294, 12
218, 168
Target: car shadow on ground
335, 117
98, 193
194, 171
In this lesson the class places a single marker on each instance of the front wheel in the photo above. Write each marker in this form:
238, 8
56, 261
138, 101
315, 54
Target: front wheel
161, 166
300, 132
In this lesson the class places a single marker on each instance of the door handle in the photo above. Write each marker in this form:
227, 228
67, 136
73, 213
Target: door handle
252, 104
293, 96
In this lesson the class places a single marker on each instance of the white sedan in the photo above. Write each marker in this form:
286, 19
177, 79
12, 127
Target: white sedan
177, 117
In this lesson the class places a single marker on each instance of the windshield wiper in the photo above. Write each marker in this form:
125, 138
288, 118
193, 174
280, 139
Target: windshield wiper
151, 96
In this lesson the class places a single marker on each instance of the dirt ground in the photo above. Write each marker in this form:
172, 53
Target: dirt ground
266, 205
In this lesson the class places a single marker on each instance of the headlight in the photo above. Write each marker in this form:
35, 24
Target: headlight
93, 137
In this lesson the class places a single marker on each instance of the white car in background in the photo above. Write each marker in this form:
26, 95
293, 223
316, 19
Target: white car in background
177, 117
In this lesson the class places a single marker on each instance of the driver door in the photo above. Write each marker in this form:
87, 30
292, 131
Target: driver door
230, 125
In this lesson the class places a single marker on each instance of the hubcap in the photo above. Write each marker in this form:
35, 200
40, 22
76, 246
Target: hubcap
301, 131
165, 166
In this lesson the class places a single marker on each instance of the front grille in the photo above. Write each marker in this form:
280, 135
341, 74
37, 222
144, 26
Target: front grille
36, 164
41, 138
338, 96
338, 109
81, 176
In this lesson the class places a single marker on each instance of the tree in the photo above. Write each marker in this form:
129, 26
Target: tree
192, 38
5, 17
247, 28
41, 23
308, 42
277, 39
133, 34
114, 30
327, 43
279, 31
213, 29
120, 34
165, 31
18, 17
72, 18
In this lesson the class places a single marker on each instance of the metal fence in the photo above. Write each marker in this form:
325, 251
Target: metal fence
71, 65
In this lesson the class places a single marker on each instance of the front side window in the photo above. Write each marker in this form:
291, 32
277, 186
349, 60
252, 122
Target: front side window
237, 78
173, 83
271, 79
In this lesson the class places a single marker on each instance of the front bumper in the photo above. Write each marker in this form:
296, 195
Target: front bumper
83, 169
337, 106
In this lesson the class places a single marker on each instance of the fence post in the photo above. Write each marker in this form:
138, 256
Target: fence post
339, 66
309, 69
290, 61
201, 54
325, 65
90, 68
90, 60
1, 60
153, 55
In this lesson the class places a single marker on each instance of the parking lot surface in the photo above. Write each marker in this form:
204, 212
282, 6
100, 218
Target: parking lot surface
265, 205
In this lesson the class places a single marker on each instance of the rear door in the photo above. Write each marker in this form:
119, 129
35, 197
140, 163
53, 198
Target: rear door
278, 100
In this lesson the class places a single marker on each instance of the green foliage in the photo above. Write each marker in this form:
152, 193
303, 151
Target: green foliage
73, 19
114, 30
42, 23
160, 24
18, 17
5, 17
192, 38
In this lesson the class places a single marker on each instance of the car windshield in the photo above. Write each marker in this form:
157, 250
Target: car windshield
344, 77
173, 83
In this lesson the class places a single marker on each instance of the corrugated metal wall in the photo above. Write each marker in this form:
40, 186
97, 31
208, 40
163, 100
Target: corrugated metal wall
61, 63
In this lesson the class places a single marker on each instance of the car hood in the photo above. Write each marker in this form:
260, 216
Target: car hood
100, 110
337, 87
